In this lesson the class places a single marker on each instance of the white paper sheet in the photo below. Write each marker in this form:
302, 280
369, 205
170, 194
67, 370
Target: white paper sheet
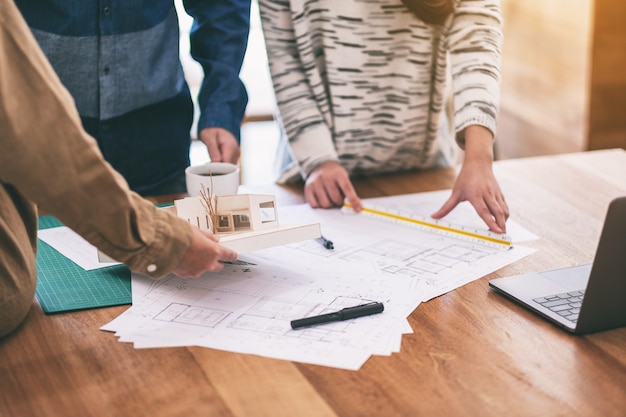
247, 307
71, 245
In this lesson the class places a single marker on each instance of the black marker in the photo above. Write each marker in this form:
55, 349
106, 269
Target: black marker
343, 314
328, 244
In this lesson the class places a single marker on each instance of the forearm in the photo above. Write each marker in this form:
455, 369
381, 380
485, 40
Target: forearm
474, 42
478, 145
218, 40
309, 134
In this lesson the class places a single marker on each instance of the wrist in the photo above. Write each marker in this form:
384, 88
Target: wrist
478, 143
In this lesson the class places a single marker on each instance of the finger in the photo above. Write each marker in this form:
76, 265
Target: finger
505, 207
498, 213
486, 214
310, 197
214, 149
225, 255
232, 156
322, 197
447, 207
335, 195
228, 255
499, 210
352, 197
317, 195
230, 153
210, 235
216, 266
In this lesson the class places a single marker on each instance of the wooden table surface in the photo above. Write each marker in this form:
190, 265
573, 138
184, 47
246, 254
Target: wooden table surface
472, 353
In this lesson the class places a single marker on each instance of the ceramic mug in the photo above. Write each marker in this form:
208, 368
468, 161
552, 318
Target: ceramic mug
214, 178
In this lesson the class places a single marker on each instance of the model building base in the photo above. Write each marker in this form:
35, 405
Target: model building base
261, 239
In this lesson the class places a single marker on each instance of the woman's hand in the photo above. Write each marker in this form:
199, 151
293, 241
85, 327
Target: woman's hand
476, 182
329, 185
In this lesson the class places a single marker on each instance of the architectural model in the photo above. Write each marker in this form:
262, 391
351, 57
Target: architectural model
245, 222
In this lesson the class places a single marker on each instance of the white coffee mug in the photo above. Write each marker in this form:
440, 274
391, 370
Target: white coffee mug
213, 178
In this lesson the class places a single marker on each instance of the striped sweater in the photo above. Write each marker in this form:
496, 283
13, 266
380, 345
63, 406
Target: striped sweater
368, 84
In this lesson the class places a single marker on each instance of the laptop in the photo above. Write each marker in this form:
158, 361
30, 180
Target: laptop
580, 299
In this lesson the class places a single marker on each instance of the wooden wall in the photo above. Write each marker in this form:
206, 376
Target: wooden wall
563, 77
607, 90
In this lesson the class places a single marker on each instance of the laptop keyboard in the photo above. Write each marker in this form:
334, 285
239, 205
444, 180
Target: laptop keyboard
566, 304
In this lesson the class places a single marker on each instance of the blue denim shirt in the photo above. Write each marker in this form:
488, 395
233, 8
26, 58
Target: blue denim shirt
120, 61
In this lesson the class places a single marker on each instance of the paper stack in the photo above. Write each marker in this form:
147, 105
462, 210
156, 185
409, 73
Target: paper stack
248, 307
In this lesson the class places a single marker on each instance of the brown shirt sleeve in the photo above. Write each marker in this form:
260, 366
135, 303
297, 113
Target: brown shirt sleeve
50, 159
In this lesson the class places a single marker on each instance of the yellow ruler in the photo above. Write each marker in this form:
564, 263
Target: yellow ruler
484, 237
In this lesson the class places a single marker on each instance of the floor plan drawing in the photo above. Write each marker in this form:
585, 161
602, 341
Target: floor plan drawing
248, 306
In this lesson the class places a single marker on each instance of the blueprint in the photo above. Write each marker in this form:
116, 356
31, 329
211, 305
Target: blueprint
247, 308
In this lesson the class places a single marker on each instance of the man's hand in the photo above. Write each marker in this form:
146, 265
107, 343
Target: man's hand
221, 144
328, 185
204, 254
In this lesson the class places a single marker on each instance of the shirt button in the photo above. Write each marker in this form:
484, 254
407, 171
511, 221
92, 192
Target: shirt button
107, 11
106, 70
151, 268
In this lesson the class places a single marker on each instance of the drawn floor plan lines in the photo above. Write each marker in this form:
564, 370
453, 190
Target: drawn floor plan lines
393, 256
262, 317
247, 307
408, 255
188, 314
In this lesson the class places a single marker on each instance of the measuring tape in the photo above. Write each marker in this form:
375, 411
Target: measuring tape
485, 237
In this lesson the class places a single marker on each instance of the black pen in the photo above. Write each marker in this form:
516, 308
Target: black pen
343, 314
328, 244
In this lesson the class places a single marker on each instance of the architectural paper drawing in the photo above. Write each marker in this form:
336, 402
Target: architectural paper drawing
247, 307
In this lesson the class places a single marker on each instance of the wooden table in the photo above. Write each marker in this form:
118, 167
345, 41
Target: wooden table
472, 353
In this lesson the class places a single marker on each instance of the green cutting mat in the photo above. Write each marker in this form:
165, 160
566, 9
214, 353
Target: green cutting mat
64, 286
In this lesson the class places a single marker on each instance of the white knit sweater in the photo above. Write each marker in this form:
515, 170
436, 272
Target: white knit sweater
368, 84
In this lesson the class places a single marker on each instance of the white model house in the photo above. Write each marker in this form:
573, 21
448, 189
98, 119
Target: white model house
245, 222
230, 213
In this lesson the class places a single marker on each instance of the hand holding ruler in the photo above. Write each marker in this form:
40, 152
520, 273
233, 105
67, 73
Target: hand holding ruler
475, 235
